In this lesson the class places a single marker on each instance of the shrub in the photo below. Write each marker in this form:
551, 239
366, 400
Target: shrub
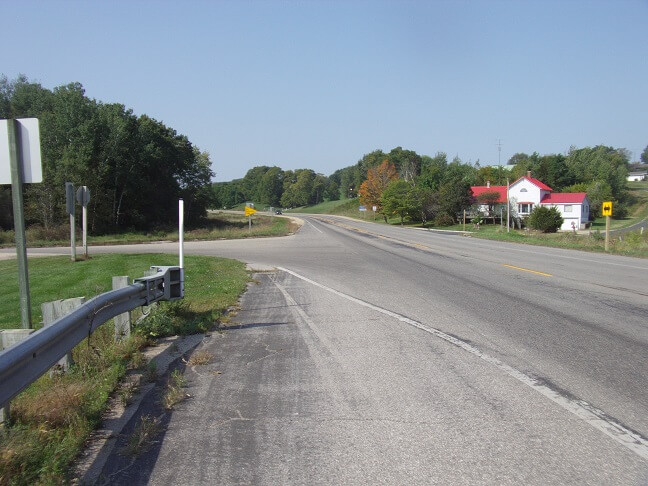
443, 220
547, 220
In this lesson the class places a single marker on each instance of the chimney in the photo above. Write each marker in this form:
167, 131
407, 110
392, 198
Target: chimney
487, 183
529, 174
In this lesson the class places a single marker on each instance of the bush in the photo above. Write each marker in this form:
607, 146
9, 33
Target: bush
173, 318
547, 220
443, 220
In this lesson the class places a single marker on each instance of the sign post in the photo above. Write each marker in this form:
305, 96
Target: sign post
249, 212
606, 211
19, 224
69, 205
83, 198
20, 163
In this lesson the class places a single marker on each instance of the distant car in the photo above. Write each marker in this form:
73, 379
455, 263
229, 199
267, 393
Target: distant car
278, 211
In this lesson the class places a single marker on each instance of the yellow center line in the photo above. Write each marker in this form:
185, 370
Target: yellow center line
527, 270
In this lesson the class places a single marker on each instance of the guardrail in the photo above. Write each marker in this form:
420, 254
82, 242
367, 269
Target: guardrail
25, 362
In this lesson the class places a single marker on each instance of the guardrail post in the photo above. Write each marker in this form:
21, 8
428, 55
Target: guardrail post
55, 310
9, 337
122, 321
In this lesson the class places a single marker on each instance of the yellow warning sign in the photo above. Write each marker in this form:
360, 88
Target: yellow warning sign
607, 208
249, 211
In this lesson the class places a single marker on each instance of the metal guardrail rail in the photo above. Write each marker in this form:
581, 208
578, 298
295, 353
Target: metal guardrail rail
25, 362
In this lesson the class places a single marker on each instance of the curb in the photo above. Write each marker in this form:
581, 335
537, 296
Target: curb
89, 466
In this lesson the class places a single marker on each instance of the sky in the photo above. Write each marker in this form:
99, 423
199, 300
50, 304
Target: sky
318, 84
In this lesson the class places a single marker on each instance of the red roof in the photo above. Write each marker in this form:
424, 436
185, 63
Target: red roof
501, 190
564, 198
535, 182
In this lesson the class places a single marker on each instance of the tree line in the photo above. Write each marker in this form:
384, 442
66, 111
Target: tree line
433, 189
134, 166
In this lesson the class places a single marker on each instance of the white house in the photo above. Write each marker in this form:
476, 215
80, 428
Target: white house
637, 176
526, 193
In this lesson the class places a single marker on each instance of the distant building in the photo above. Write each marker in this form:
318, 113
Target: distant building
638, 176
527, 192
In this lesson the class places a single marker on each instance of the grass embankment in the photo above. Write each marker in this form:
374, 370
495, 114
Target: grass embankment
218, 225
53, 418
630, 244
343, 207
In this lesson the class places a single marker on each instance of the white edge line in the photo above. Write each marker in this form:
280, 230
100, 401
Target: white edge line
585, 411
314, 226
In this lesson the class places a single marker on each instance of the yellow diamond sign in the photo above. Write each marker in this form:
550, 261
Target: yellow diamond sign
249, 211
606, 209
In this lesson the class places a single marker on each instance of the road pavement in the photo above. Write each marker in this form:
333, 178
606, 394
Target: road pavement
389, 355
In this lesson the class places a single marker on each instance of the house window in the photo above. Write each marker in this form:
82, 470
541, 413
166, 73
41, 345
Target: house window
523, 189
568, 208
525, 208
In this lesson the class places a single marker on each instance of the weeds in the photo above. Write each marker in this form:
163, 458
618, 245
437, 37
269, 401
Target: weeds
126, 393
173, 393
200, 358
151, 373
143, 437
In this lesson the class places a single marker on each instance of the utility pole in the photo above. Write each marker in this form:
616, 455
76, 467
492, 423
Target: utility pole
508, 206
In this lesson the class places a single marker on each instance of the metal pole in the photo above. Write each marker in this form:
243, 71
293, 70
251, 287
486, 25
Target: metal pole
607, 233
508, 208
85, 230
181, 232
15, 161
72, 239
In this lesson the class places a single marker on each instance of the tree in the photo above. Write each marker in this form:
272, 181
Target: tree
644, 155
406, 162
400, 198
270, 188
432, 170
430, 204
517, 158
378, 178
332, 191
547, 220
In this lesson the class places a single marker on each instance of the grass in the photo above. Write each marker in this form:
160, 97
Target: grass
174, 393
630, 244
143, 437
200, 358
637, 211
210, 282
218, 225
53, 417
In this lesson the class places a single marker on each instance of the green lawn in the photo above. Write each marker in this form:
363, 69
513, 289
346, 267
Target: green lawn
209, 281
53, 418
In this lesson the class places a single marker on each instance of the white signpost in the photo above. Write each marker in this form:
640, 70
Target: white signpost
20, 162
83, 198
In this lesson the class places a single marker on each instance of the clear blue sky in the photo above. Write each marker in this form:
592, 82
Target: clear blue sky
317, 84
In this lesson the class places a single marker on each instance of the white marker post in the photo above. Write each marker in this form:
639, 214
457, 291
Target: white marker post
83, 198
69, 205
181, 243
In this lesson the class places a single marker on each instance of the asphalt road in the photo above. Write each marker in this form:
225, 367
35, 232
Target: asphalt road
396, 356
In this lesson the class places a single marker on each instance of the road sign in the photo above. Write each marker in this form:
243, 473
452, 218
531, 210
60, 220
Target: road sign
28, 136
607, 208
83, 195
69, 197
362, 208
249, 211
